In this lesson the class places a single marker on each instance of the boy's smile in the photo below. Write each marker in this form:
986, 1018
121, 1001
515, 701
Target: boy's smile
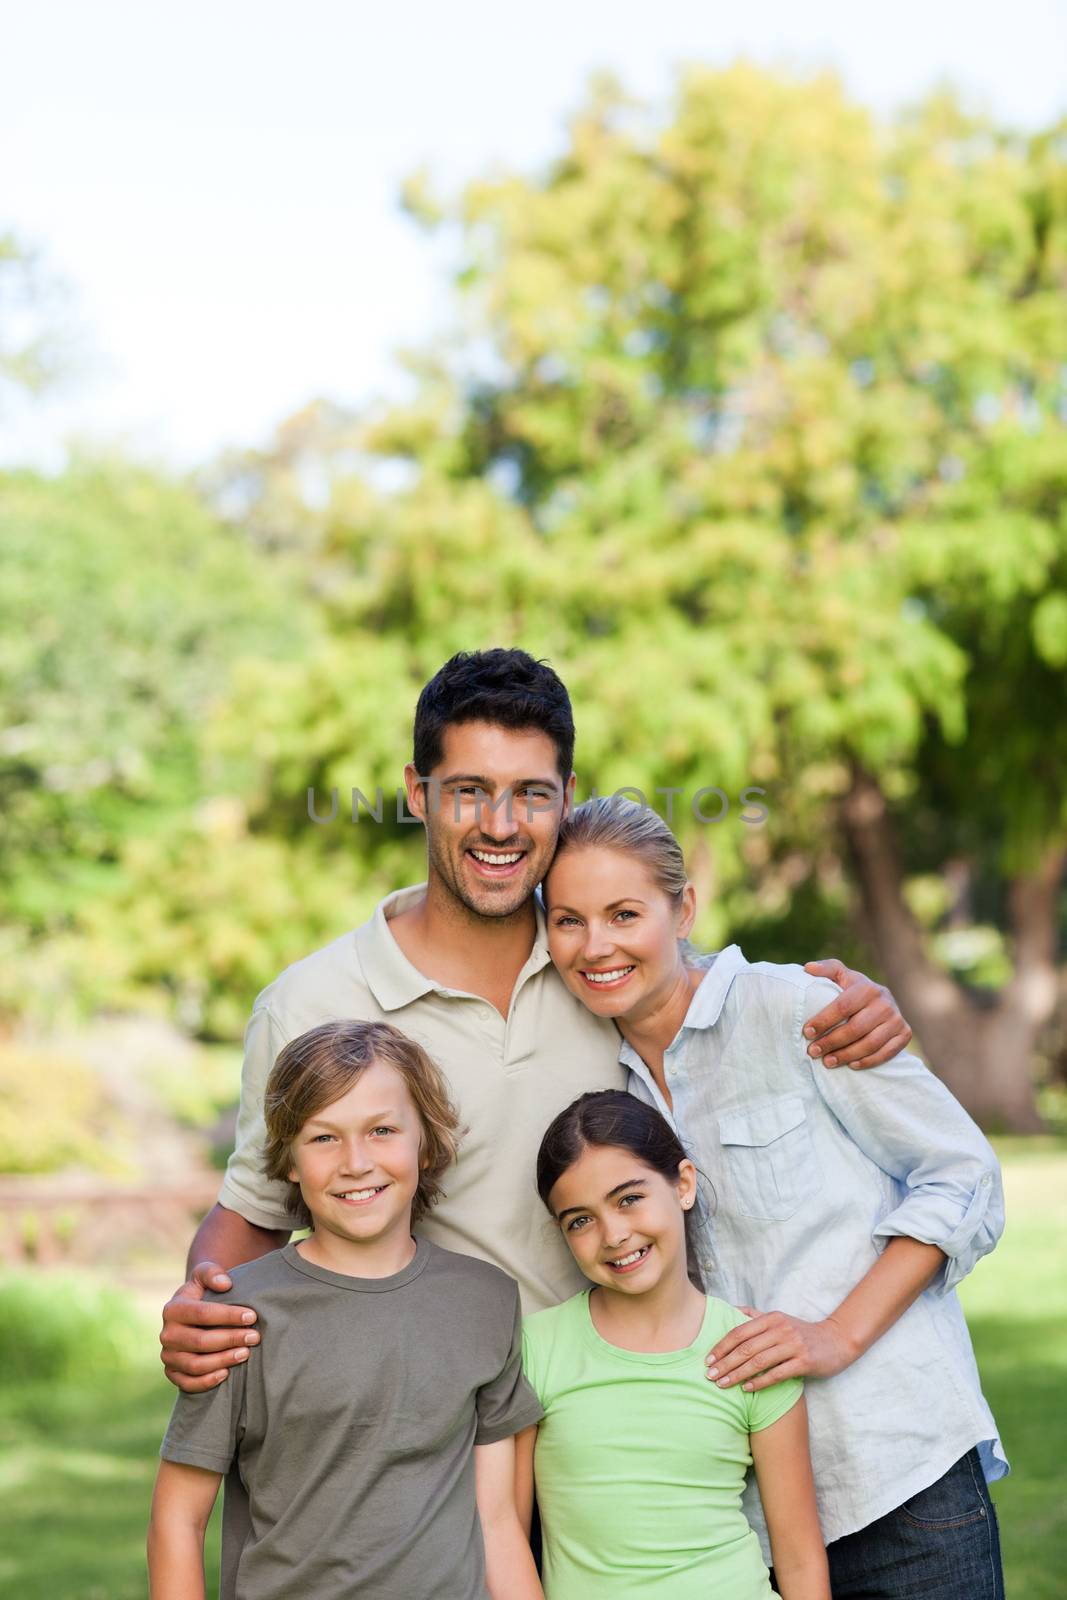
357, 1162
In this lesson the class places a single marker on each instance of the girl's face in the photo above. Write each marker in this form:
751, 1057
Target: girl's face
624, 1222
612, 931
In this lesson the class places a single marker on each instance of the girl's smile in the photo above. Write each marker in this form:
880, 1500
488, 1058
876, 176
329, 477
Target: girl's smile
624, 1221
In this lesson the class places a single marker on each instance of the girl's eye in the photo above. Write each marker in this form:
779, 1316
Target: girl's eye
628, 1197
576, 1222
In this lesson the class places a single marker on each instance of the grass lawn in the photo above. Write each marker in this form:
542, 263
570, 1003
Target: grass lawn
77, 1462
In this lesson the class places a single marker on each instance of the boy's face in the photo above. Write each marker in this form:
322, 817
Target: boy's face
357, 1160
492, 814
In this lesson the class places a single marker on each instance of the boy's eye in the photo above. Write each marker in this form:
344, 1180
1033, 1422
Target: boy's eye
383, 1130
319, 1137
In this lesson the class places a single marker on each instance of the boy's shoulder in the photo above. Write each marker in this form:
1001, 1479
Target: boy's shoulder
470, 1275
265, 1273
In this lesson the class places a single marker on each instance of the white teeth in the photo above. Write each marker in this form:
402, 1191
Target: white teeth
625, 1261
360, 1194
607, 977
497, 861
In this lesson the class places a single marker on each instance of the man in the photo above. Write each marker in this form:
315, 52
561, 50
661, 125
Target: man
461, 965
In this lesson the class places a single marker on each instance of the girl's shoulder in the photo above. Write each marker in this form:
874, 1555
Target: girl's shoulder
545, 1326
721, 1316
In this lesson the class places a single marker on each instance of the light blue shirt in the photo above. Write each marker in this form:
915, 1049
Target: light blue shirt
808, 1173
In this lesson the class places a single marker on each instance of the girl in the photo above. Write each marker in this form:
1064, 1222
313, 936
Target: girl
853, 1203
639, 1462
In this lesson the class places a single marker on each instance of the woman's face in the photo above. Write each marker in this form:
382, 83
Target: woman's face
613, 932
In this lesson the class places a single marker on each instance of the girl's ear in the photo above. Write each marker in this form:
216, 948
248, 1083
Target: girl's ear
688, 913
687, 1185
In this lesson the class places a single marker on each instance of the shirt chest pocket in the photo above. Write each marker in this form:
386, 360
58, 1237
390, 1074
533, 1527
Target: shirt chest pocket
769, 1159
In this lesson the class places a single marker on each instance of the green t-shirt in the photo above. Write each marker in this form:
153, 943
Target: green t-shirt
640, 1463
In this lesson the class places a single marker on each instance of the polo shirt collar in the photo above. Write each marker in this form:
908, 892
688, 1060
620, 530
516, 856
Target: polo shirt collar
395, 981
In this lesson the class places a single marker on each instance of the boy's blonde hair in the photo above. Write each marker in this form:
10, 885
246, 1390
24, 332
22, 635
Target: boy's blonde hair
320, 1066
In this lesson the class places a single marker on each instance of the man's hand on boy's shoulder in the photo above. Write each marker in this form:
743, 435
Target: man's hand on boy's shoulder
861, 1027
202, 1339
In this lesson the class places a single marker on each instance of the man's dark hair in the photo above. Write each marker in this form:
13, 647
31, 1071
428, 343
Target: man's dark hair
505, 687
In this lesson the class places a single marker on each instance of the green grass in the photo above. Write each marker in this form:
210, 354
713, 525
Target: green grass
1016, 1305
78, 1453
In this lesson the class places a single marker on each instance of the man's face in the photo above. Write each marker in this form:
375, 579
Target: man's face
492, 814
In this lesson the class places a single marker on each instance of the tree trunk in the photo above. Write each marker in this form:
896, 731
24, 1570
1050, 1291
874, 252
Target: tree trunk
983, 1051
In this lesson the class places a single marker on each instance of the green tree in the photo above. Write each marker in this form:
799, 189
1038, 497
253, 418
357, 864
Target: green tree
756, 428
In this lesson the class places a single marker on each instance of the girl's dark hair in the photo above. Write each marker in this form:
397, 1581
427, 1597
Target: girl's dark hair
505, 687
613, 1119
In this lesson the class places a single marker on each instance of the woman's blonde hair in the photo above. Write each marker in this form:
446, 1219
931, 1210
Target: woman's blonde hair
317, 1068
618, 824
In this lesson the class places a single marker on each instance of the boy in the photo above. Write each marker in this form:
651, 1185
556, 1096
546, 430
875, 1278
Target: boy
374, 1430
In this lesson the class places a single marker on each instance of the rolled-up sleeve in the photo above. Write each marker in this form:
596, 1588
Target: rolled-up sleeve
907, 1122
245, 1188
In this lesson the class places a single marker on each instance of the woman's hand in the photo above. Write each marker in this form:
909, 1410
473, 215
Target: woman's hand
773, 1346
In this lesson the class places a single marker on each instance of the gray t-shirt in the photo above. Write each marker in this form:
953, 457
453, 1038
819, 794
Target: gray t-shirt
352, 1427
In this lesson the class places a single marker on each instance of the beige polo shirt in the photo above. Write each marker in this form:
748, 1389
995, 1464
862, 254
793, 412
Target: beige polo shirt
508, 1078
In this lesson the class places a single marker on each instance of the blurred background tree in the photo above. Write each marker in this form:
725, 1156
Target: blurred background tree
753, 422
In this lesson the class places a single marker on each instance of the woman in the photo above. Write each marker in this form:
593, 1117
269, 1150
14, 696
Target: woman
850, 1203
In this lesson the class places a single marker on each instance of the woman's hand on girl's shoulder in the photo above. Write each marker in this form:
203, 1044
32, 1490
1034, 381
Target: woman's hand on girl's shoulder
773, 1346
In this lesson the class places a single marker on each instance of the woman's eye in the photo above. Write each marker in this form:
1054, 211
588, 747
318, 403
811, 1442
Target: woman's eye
565, 922
625, 914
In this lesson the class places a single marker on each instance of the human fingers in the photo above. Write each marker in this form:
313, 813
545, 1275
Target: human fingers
209, 1275
869, 1044
736, 1336
205, 1340
897, 1043
728, 1367
764, 1358
763, 1380
189, 1312
854, 1029
202, 1380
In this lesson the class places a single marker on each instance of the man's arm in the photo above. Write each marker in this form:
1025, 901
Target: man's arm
201, 1342
181, 1507
510, 1573
862, 1027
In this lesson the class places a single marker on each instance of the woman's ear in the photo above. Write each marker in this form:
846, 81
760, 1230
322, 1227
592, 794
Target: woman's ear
687, 1185
688, 913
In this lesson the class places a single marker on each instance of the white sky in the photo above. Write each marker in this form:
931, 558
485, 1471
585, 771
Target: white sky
217, 179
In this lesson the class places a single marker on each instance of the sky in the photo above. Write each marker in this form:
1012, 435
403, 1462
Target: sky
217, 183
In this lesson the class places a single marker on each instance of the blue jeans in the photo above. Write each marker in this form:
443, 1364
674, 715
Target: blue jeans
942, 1544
